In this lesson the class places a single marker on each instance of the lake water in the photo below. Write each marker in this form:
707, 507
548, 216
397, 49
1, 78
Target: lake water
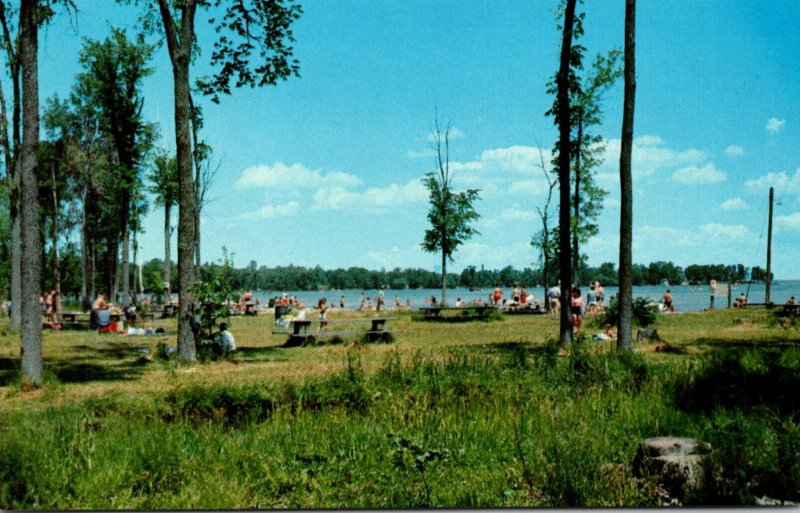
685, 297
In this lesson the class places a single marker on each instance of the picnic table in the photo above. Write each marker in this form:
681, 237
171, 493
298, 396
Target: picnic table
75, 320
302, 334
456, 314
787, 310
527, 308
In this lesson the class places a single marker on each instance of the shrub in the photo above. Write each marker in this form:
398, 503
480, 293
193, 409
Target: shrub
644, 312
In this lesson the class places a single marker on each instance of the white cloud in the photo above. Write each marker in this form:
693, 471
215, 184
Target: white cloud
782, 182
519, 159
272, 211
734, 204
281, 176
648, 140
790, 222
337, 198
469, 166
699, 175
421, 154
775, 125
726, 232
455, 133
734, 151
650, 155
610, 202
533, 187
665, 237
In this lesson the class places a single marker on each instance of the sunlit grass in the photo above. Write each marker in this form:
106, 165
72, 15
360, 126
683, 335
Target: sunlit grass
513, 422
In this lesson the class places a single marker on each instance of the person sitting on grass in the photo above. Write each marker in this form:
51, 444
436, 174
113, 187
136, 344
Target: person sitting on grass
741, 301
791, 302
225, 339
608, 334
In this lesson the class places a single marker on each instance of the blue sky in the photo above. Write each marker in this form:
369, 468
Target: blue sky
325, 169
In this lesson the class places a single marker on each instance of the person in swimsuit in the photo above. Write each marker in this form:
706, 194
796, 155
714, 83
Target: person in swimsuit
667, 300
577, 306
498, 295
600, 296
322, 306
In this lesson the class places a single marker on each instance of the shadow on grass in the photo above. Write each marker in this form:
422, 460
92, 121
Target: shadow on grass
9, 367
745, 377
762, 343
116, 350
85, 372
259, 354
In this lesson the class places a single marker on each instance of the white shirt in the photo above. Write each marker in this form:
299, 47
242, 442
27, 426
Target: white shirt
228, 341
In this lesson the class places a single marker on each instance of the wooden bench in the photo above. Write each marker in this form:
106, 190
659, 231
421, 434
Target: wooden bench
301, 333
788, 310
169, 310
462, 314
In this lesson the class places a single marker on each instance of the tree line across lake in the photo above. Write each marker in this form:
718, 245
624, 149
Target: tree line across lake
292, 277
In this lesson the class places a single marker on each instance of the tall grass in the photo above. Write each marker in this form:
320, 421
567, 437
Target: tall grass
516, 425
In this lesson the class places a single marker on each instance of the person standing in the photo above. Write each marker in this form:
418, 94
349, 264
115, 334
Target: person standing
577, 306
667, 300
497, 296
322, 306
554, 300
600, 297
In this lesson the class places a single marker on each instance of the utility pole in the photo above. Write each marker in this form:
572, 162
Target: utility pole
769, 251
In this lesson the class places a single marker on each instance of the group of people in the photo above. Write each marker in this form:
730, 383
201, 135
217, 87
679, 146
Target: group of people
519, 297
592, 305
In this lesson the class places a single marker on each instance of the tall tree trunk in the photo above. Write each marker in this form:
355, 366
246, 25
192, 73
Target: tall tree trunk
198, 185
85, 301
576, 207
180, 46
126, 269
31, 336
564, 261
15, 322
112, 265
93, 273
197, 240
12, 151
444, 278
167, 248
137, 282
12, 177
54, 236
186, 212
625, 299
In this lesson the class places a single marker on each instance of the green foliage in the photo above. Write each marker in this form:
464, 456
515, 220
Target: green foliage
262, 27
212, 299
645, 312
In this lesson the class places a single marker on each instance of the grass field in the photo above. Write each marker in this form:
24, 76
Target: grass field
480, 414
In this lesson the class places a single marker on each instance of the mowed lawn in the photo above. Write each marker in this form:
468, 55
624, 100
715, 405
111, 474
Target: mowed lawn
86, 363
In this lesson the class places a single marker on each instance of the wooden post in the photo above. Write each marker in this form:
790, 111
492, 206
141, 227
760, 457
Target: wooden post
729, 294
769, 251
